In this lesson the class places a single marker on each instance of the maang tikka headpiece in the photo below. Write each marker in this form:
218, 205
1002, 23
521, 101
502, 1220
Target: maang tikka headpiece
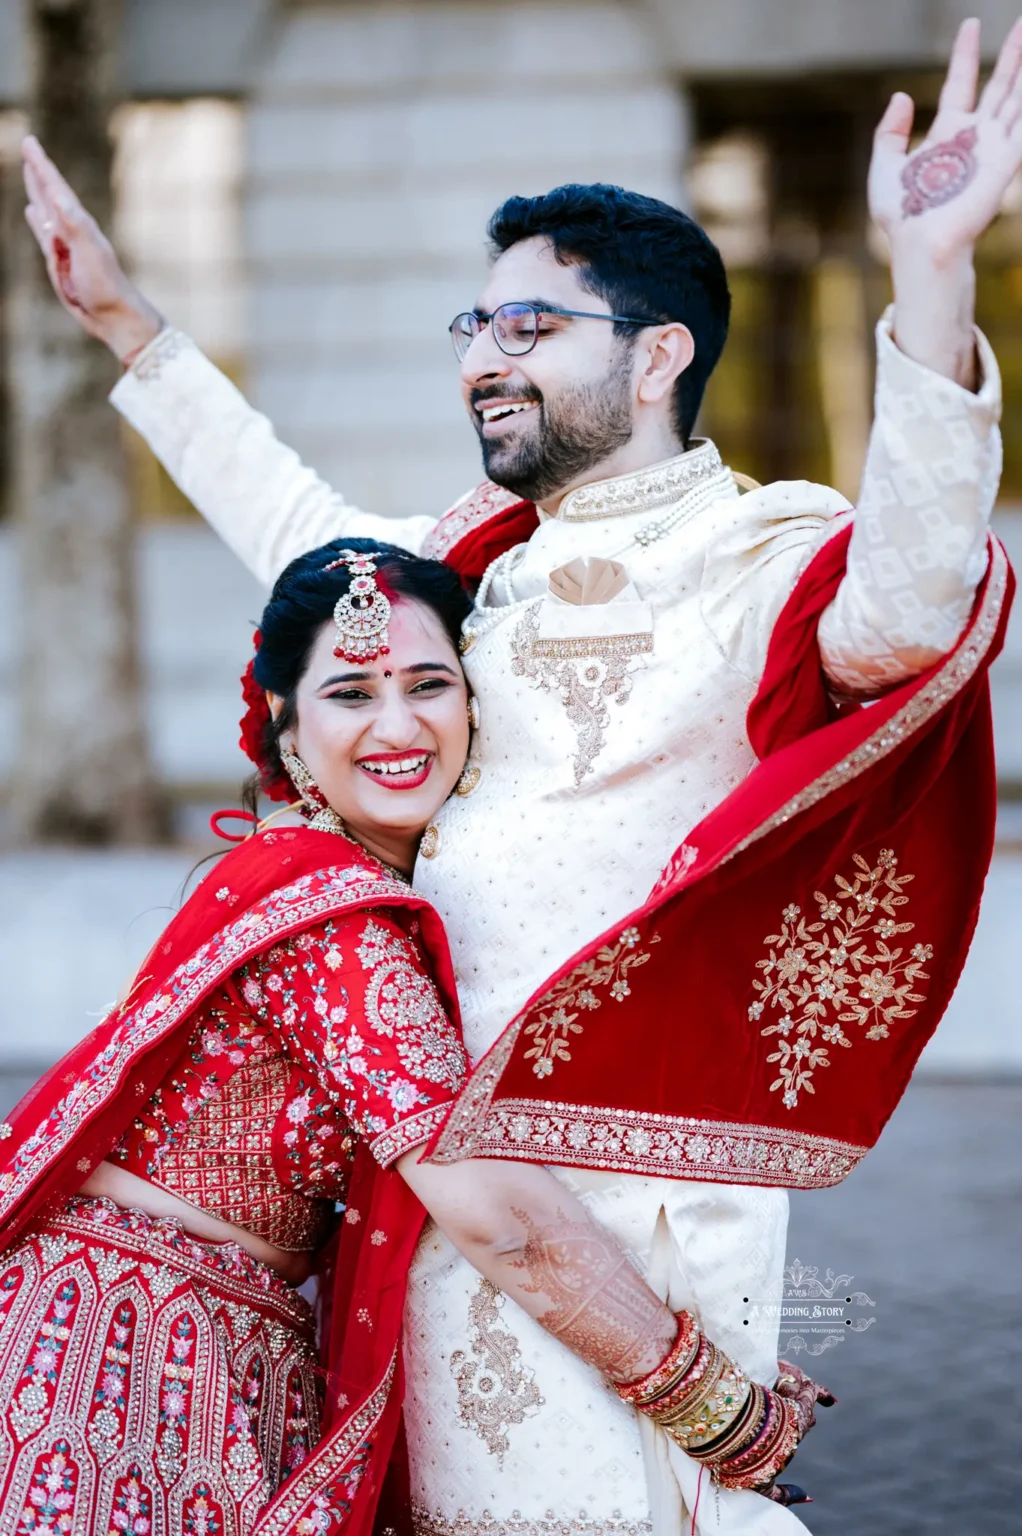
363, 613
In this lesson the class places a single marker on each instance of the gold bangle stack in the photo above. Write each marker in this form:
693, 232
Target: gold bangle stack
696, 1393
710, 1408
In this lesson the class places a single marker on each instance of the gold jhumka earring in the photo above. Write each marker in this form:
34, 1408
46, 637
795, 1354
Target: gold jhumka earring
315, 807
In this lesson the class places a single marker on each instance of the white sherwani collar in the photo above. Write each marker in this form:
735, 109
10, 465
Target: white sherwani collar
643, 490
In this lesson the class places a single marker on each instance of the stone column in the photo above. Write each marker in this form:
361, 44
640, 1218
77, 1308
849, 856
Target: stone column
381, 139
80, 770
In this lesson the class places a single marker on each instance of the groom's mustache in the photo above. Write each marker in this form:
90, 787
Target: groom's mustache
478, 398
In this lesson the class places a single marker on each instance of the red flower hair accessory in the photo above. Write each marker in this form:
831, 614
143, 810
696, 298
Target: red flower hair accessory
274, 781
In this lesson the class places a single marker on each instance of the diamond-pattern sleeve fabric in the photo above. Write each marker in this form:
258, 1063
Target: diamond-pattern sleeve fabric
919, 541
253, 490
354, 1004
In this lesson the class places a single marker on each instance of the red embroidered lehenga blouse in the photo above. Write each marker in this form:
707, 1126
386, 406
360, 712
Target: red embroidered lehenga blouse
334, 1034
293, 1033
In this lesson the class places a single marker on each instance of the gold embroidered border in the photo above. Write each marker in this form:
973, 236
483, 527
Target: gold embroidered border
668, 1146
644, 491
517, 1524
457, 1139
571, 647
288, 910
201, 1262
391, 1144
479, 506
326, 1463
959, 669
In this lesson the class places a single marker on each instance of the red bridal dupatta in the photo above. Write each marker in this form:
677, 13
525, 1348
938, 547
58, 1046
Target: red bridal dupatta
273, 885
758, 1018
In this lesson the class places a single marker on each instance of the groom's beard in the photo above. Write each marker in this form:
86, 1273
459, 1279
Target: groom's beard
565, 437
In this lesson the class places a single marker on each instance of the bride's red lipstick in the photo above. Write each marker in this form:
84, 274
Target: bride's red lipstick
410, 779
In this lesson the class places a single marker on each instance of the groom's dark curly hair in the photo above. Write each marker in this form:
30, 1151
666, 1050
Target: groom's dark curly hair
642, 257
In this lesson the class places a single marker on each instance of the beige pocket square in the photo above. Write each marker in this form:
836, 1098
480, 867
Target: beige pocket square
585, 582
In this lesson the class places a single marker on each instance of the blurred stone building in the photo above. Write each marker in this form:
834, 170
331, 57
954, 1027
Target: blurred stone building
305, 186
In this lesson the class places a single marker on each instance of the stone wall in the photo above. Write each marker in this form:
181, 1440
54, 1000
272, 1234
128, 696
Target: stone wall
380, 139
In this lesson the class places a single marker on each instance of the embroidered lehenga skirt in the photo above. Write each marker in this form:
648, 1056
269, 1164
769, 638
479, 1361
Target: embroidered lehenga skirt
151, 1384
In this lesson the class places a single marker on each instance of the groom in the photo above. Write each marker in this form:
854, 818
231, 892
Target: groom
626, 603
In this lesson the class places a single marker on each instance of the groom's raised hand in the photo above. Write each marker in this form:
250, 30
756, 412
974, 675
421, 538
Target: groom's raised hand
83, 267
934, 202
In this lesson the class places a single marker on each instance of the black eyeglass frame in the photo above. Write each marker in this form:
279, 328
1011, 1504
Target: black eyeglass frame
537, 310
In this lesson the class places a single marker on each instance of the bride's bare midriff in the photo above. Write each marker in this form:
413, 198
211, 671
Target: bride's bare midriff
134, 1194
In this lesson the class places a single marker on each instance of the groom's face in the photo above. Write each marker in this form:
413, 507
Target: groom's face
547, 419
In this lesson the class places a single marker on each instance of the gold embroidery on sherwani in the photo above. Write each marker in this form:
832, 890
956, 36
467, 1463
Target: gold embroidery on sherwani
495, 1390
585, 671
517, 1524
814, 971
577, 991
645, 489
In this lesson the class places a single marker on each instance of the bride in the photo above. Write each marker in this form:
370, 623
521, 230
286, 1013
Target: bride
288, 1049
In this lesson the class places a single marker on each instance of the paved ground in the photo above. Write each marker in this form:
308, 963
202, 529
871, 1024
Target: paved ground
925, 1436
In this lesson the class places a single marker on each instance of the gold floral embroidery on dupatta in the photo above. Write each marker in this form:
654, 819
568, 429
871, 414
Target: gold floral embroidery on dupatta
577, 991
495, 1391
821, 977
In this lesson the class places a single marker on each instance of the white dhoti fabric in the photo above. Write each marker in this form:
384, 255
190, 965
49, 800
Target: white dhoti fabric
509, 1433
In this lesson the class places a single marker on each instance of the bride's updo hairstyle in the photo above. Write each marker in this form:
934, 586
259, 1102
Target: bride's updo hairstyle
302, 601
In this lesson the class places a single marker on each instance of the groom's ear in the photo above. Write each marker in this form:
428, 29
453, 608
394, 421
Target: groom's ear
663, 353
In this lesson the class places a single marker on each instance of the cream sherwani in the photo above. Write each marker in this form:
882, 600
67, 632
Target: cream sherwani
607, 731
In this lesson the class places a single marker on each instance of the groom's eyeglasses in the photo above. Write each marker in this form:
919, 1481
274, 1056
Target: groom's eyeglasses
517, 327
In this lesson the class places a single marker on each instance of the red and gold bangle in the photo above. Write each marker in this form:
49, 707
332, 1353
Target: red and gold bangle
696, 1393
675, 1364
709, 1407
769, 1451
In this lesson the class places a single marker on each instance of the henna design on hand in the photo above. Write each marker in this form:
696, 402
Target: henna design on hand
805, 1393
603, 1310
936, 175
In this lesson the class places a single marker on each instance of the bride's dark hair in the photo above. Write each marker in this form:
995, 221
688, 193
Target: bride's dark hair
301, 602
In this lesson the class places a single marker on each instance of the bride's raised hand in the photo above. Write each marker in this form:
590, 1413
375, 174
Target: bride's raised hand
83, 267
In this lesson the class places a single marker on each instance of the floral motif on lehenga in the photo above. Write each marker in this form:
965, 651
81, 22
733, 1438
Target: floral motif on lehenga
42, 1371
52, 1492
192, 1401
841, 969
106, 1426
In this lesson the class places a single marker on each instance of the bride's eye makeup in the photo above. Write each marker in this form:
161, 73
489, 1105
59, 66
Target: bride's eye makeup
352, 694
432, 685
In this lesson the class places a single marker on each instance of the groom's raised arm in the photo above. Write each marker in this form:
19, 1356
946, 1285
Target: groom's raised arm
252, 489
256, 492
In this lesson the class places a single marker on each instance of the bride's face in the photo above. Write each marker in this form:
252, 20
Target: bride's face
386, 740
